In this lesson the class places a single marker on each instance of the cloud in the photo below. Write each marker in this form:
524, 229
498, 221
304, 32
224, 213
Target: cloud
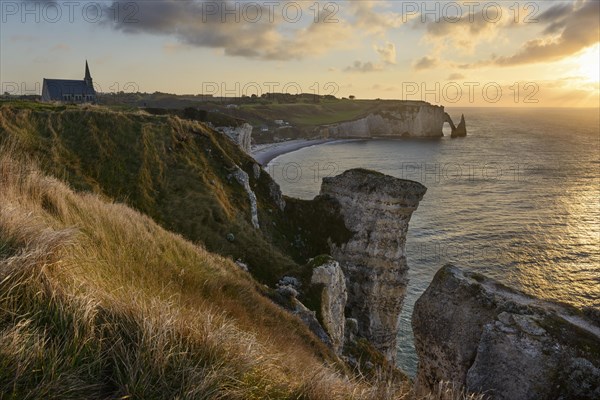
556, 12
359, 66
464, 34
316, 39
257, 30
473, 23
374, 21
387, 58
373, 18
455, 77
387, 53
199, 24
425, 63
571, 28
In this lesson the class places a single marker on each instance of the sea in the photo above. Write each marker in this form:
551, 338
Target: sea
518, 200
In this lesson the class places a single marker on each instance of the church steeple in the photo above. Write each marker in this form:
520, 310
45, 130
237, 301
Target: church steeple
88, 76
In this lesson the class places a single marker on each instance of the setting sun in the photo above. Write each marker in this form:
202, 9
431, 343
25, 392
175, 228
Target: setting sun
589, 64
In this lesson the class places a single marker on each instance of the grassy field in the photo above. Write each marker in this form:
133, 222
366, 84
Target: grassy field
303, 110
307, 114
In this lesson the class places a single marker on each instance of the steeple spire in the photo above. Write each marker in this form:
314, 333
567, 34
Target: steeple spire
88, 76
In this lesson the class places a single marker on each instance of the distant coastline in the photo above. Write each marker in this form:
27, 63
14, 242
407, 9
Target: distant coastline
266, 153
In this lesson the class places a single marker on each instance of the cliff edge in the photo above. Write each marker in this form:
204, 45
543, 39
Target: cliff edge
487, 338
404, 119
377, 209
242, 135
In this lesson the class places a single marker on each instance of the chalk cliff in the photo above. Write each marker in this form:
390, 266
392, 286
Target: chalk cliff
408, 119
242, 135
377, 209
243, 179
483, 336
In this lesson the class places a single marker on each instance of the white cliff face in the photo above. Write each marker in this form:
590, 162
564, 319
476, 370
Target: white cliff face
487, 338
333, 300
411, 119
242, 135
377, 208
243, 179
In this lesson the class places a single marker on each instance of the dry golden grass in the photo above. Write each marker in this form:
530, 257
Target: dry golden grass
450, 391
97, 301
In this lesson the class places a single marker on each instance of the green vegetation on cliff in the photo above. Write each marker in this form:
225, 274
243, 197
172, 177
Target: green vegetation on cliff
177, 172
310, 114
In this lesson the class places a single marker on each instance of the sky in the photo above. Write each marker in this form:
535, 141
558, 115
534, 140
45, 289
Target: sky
453, 53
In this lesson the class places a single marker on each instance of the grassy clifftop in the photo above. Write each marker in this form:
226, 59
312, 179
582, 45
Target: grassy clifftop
305, 110
308, 115
177, 172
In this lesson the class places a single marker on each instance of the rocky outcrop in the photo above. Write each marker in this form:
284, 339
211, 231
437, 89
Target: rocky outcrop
276, 194
449, 121
242, 135
333, 300
405, 119
256, 171
377, 209
290, 287
243, 179
310, 320
461, 129
483, 336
